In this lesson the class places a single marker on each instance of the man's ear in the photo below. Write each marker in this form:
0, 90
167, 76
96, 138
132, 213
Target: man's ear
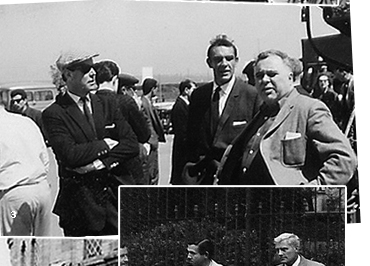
206, 254
208, 61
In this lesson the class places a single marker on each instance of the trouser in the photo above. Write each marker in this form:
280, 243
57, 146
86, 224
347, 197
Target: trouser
25, 210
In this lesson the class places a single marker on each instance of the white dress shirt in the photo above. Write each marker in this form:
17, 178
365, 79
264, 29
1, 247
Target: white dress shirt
224, 93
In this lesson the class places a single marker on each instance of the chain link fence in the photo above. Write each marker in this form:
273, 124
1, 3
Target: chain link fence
157, 223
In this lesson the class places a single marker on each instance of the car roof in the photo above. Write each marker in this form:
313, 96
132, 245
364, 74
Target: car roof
27, 85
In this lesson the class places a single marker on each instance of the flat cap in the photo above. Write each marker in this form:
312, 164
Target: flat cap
72, 57
127, 80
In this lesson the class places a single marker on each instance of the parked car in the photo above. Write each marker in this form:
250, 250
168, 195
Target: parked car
164, 109
39, 94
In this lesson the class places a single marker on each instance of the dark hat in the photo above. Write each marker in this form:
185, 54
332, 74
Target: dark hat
126, 80
148, 85
72, 57
19, 92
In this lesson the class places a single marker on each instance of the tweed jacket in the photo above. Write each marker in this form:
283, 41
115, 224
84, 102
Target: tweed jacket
302, 146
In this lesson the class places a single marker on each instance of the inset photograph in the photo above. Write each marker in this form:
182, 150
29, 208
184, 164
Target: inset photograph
58, 251
232, 225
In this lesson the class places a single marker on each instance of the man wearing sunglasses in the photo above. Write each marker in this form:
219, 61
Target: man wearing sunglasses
91, 141
19, 105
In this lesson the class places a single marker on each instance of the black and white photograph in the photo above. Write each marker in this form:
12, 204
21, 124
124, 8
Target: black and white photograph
59, 252
198, 226
180, 94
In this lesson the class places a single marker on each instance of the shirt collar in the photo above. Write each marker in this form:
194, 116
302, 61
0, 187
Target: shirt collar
77, 98
185, 99
297, 261
225, 88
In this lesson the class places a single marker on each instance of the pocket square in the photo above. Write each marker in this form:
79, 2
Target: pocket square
239, 123
110, 126
292, 135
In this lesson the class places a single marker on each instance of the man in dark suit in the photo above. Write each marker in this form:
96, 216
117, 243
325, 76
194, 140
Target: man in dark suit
287, 247
293, 140
151, 169
107, 78
179, 120
91, 141
218, 112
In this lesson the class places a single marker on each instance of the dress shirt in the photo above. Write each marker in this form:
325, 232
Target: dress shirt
79, 102
24, 158
224, 93
185, 99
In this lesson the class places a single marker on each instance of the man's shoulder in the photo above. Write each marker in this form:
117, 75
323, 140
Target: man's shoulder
307, 262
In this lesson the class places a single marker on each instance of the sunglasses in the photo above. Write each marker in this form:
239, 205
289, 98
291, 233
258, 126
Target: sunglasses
84, 68
17, 100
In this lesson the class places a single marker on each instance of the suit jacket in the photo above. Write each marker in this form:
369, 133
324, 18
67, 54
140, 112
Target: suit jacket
302, 146
156, 122
131, 113
242, 104
88, 200
306, 262
179, 119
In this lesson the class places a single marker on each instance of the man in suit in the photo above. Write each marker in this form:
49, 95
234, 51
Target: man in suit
107, 78
287, 247
293, 140
201, 254
179, 119
218, 112
91, 141
151, 169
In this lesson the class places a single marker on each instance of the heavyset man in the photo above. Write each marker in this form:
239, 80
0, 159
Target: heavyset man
293, 140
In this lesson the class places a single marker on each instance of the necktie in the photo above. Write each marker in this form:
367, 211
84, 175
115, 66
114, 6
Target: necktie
88, 113
215, 109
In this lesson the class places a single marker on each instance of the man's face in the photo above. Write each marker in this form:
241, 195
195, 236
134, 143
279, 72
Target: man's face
81, 78
274, 79
194, 258
190, 90
287, 254
223, 61
323, 82
18, 103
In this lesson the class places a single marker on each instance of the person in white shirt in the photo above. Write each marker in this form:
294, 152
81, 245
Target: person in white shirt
25, 194
201, 254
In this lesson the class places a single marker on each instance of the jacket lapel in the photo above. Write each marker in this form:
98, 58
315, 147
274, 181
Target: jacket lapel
229, 106
75, 113
284, 112
98, 115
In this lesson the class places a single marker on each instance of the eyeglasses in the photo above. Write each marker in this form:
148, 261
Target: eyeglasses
84, 68
17, 100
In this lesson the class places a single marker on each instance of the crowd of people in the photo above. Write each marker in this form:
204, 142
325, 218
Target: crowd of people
105, 131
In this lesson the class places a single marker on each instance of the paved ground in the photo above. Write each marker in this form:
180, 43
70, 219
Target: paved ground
164, 169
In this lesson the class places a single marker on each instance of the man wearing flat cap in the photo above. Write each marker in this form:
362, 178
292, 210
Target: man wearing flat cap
91, 141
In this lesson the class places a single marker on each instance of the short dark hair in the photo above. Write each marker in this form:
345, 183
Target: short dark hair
148, 85
105, 71
206, 246
186, 84
249, 71
221, 40
20, 92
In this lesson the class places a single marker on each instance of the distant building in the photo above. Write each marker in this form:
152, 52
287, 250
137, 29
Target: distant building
63, 252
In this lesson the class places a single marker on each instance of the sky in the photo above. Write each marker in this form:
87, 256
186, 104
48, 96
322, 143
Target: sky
170, 37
